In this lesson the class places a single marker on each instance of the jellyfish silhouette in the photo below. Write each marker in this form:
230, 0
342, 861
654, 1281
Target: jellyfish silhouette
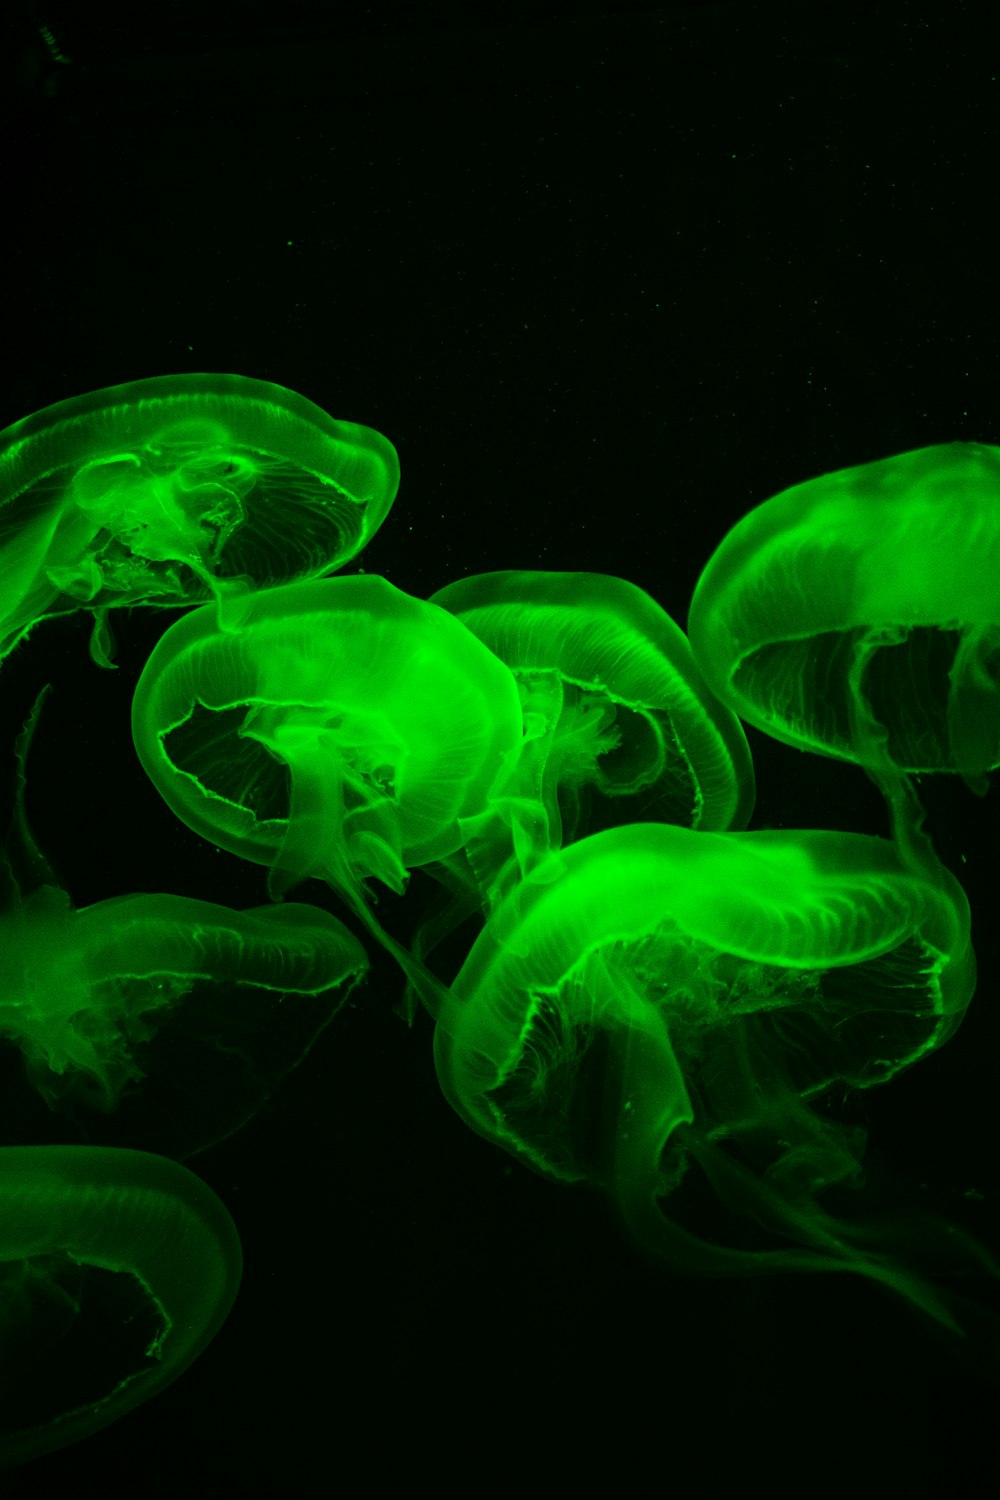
143, 986
614, 706
177, 489
345, 731
117, 1268
613, 702
653, 998
857, 615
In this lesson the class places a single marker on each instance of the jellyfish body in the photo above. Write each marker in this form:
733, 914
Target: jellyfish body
652, 997
177, 489
612, 699
155, 1228
613, 704
83, 993
857, 615
346, 731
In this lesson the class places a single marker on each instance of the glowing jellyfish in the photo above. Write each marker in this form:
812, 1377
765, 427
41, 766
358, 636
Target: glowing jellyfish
652, 998
612, 702
175, 490
858, 615
345, 731
149, 1249
84, 994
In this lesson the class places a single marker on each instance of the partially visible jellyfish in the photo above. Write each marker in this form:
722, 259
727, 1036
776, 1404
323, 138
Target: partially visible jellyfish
346, 731
178, 489
613, 702
613, 705
858, 616
117, 1269
85, 994
653, 999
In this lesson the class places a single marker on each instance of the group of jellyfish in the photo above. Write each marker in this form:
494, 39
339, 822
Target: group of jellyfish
650, 990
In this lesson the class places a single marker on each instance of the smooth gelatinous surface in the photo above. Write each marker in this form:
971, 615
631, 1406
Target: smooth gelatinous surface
116, 1270
341, 729
84, 993
613, 702
858, 614
175, 489
652, 997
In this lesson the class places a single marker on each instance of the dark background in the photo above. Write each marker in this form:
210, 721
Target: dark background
607, 280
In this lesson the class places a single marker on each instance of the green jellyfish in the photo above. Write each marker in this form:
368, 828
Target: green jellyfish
84, 994
652, 998
178, 489
117, 1268
857, 615
612, 702
344, 731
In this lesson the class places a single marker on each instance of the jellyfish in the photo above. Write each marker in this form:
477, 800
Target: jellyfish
612, 701
857, 615
653, 1005
175, 490
85, 993
345, 732
117, 1269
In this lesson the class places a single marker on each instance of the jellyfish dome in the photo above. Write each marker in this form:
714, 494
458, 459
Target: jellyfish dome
177, 489
141, 987
83, 993
652, 998
609, 683
857, 615
615, 709
343, 731
119, 1243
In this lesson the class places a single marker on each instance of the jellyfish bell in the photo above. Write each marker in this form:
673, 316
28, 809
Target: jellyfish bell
346, 731
83, 993
618, 723
653, 999
139, 1242
177, 489
857, 615
127, 995
613, 703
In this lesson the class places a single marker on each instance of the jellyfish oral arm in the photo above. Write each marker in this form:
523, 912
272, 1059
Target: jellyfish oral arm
33, 576
330, 805
654, 1103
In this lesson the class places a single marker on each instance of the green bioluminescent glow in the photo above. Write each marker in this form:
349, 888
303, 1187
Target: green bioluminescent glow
858, 614
177, 489
340, 729
134, 1237
83, 993
653, 997
614, 709
673, 1009
612, 702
